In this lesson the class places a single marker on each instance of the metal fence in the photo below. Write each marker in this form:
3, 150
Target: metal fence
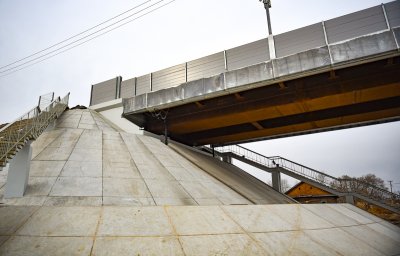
27, 127
350, 185
323, 34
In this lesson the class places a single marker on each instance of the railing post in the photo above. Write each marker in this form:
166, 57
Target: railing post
225, 61
151, 82
186, 72
384, 14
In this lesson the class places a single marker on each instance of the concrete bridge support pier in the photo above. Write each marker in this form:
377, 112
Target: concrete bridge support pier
18, 172
276, 181
227, 159
350, 199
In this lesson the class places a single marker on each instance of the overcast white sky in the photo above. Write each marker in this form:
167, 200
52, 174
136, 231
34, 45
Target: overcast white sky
179, 32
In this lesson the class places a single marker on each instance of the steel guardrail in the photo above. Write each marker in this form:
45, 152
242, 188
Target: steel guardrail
351, 186
27, 127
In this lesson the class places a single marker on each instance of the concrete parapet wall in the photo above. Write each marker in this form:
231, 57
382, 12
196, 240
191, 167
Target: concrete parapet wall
300, 62
363, 47
249, 75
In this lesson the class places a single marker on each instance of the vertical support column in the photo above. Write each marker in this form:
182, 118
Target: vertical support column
165, 131
227, 159
271, 47
350, 199
276, 181
18, 172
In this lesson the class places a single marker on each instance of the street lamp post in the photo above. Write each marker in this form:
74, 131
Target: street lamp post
267, 5
271, 43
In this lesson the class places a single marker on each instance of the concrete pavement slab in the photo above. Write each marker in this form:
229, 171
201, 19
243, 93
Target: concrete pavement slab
127, 201
39, 186
3, 239
116, 156
83, 155
166, 189
379, 241
73, 201
88, 126
25, 201
201, 220
225, 244
55, 154
340, 242
154, 171
68, 138
298, 217
208, 201
62, 221
125, 187
257, 218
43, 246
291, 243
134, 221
12, 217
392, 232
82, 169
46, 168
120, 170
180, 173
330, 215
196, 189
137, 246
352, 212
174, 201
365, 214
77, 186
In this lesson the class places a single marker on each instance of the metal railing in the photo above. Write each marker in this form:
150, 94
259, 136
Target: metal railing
350, 186
27, 127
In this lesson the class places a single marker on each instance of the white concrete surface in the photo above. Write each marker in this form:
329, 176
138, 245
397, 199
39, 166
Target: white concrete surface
101, 192
191, 230
79, 166
112, 111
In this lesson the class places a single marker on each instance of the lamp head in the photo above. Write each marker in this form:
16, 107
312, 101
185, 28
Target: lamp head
266, 3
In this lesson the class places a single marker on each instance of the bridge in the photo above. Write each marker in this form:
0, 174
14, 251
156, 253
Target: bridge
276, 165
336, 74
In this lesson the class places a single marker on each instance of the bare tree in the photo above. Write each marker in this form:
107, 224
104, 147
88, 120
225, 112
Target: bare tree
285, 185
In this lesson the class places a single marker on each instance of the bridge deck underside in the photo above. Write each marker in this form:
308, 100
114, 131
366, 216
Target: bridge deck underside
347, 97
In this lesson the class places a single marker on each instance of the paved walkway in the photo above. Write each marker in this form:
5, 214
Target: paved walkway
195, 230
